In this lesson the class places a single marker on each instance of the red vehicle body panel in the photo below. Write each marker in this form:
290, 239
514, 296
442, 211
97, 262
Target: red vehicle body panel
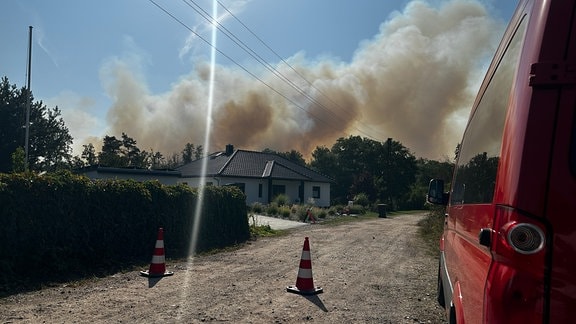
534, 184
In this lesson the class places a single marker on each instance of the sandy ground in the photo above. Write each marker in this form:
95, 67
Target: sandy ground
374, 271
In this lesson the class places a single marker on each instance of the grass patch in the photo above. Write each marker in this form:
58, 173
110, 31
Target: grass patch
262, 231
259, 230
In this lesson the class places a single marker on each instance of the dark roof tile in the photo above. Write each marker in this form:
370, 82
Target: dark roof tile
251, 164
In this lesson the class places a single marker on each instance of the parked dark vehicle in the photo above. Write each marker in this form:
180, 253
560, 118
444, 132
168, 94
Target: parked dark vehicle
508, 250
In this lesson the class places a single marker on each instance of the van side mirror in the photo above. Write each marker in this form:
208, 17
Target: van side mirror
436, 194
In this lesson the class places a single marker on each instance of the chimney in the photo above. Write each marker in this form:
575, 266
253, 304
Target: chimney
229, 149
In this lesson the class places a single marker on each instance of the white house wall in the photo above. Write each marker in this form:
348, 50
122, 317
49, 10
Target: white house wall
324, 200
251, 189
291, 189
250, 186
192, 182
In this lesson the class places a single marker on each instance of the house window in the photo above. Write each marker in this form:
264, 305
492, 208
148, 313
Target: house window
278, 190
316, 192
259, 190
209, 183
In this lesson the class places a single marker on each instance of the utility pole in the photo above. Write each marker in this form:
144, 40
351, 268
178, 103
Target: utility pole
389, 142
28, 100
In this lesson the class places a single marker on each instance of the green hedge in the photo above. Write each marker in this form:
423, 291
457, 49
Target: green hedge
57, 226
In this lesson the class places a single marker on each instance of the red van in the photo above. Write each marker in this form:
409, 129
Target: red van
508, 250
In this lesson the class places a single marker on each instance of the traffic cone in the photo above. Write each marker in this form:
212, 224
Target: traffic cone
305, 282
158, 264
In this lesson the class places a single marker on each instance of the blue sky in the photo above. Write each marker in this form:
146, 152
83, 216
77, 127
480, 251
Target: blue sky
123, 66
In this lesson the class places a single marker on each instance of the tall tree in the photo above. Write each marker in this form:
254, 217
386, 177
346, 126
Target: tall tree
157, 160
122, 153
357, 160
400, 174
173, 161
427, 170
382, 171
125, 153
430, 169
191, 153
188, 153
89, 154
18, 158
292, 155
111, 154
132, 154
198, 152
324, 161
50, 143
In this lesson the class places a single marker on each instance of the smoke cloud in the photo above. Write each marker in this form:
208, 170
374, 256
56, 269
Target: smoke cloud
415, 82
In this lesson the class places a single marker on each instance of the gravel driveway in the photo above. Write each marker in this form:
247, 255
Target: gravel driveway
275, 223
372, 271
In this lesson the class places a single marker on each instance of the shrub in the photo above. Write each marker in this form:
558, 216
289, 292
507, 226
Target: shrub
262, 230
272, 209
294, 209
280, 200
317, 213
257, 208
432, 226
357, 209
332, 211
361, 199
284, 211
95, 227
301, 212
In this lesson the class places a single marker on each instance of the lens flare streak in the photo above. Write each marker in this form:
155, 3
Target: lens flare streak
200, 201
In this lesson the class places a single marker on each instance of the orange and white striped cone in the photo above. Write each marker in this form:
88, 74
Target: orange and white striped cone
158, 264
305, 282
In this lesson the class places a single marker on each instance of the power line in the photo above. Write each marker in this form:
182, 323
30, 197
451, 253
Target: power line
255, 55
198, 9
237, 63
290, 66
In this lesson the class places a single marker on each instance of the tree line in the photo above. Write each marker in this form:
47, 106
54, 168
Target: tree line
124, 153
385, 172
50, 142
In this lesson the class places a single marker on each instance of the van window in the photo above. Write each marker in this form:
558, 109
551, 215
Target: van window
479, 153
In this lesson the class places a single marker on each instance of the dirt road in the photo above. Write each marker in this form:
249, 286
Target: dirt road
375, 271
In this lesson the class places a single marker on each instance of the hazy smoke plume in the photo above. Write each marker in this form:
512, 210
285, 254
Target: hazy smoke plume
414, 81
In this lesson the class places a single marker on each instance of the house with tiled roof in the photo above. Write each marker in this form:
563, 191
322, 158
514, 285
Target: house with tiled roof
261, 176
